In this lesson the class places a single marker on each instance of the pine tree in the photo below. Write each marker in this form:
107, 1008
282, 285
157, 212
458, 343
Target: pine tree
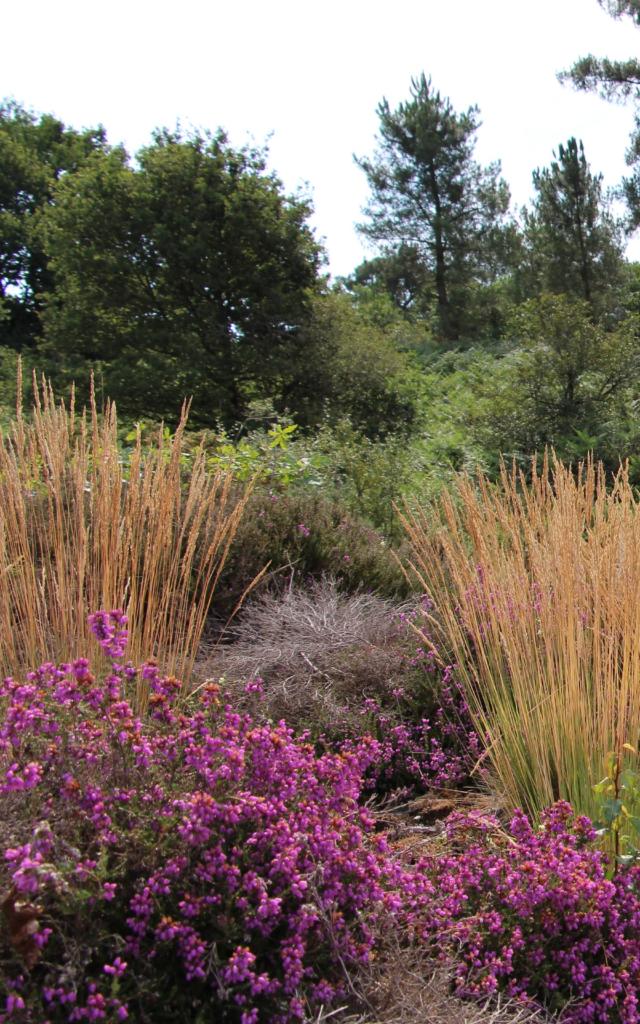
572, 243
616, 80
429, 194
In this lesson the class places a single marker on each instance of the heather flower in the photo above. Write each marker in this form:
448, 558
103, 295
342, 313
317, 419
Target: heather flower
109, 628
195, 857
116, 969
200, 862
532, 913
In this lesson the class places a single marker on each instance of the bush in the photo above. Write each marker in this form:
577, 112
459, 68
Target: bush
196, 865
188, 865
530, 911
305, 535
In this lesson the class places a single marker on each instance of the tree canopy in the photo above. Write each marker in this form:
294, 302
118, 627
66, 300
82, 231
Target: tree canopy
35, 154
616, 80
188, 274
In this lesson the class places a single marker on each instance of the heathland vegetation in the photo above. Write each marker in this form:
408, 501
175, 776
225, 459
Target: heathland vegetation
319, 601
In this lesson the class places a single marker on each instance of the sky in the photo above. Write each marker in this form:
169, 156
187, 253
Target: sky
307, 77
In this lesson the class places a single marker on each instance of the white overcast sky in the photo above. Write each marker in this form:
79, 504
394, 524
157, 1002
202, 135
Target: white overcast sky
310, 76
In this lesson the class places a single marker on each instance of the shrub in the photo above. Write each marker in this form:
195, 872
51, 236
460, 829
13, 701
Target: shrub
308, 536
404, 986
340, 665
367, 477
188, 864
424, 753
318, 652
197, 865
531, 912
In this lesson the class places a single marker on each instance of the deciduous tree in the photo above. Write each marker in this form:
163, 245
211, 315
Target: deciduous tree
35, 153
188, 274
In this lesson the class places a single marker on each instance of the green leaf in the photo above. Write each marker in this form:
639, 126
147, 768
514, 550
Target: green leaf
611, 810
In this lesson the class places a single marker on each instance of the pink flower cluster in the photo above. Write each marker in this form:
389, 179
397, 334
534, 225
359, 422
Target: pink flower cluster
189, 862
531, 912
110, 630
195, 864
417, 751
427, 753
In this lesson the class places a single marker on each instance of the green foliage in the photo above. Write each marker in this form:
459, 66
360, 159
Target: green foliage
401, 275
408, 331
572, 244
616, 80
431, 201
450, 403
35, 153
272, 455
338, 461
619, 806
565, 382
613, 79
302, 533
189, 274
366, 476
271, 461
352, 369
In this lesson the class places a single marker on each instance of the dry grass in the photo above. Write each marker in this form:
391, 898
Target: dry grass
537, 590
404, 986
81, 531
319, 652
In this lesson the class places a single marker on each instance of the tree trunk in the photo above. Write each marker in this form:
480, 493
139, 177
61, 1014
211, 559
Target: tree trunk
447, 328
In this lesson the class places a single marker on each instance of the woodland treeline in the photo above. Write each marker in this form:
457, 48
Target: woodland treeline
474, 330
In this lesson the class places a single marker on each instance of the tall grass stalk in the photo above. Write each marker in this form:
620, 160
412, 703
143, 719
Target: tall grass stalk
537, 589
81, 528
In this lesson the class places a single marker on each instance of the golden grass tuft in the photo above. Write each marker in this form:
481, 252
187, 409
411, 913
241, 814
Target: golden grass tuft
83, 529
536, 585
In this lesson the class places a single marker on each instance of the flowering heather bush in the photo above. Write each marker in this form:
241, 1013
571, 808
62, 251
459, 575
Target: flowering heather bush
532, 912
189, 864
423, 724
196, 865
442, 749
312, 535
422, 753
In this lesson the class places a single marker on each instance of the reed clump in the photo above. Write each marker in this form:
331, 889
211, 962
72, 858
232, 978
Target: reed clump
536, 582
85, 527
